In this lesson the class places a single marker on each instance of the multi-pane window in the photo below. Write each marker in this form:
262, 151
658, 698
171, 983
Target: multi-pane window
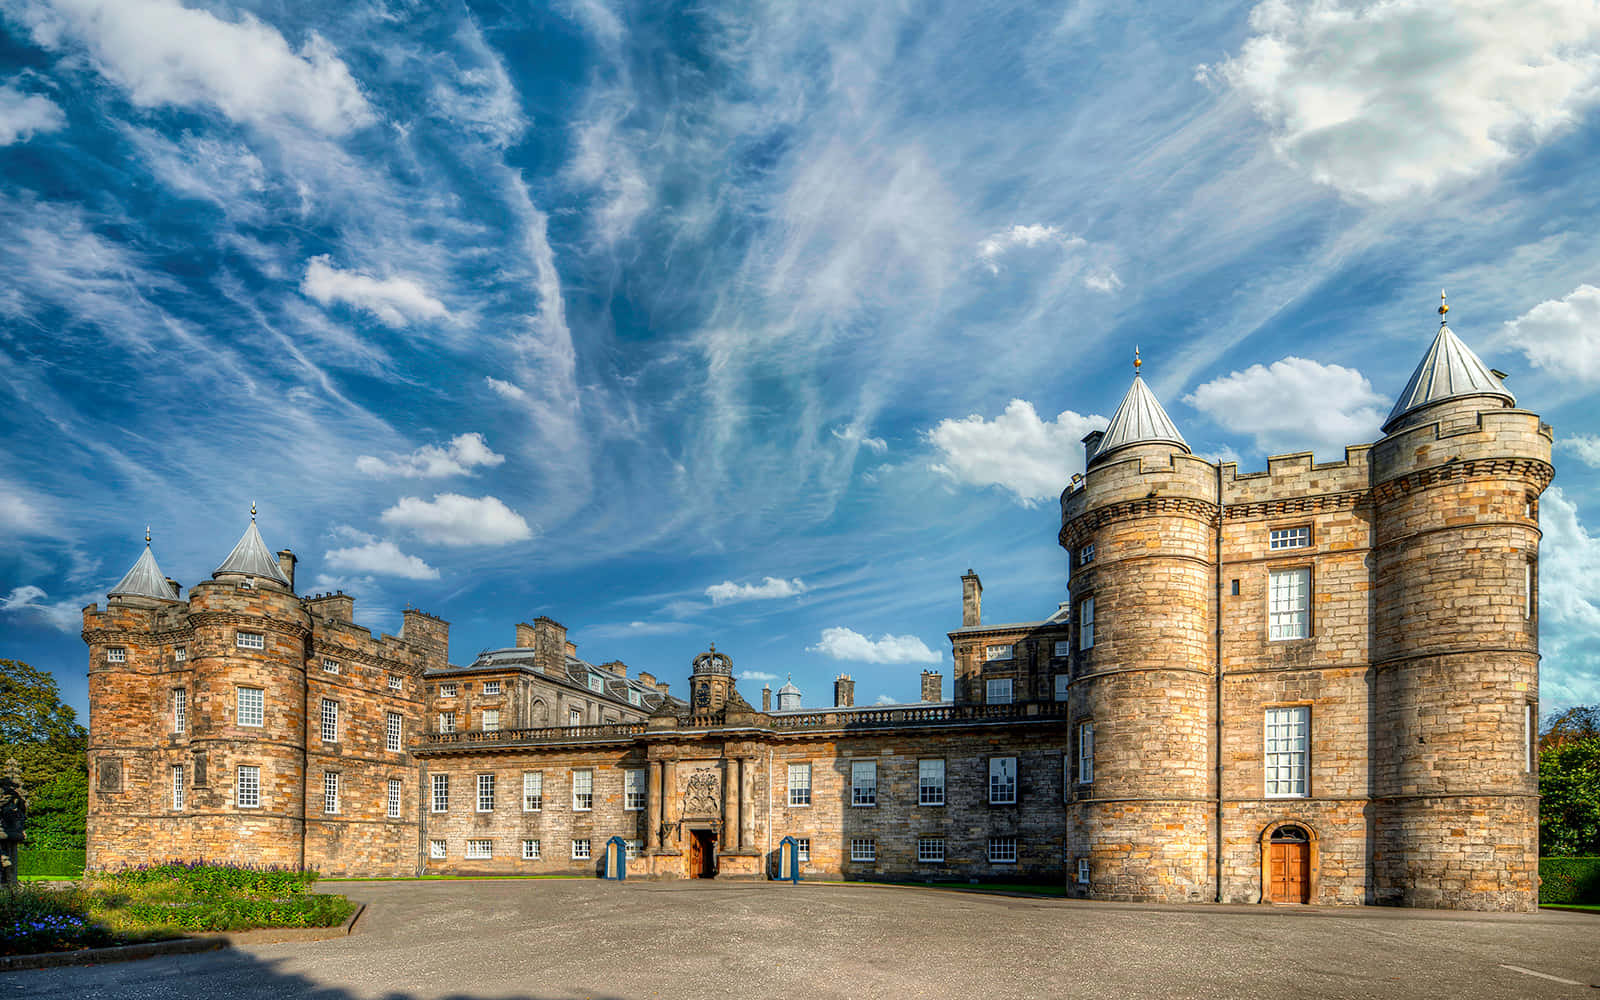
634, 697
330, 721
575, 717
530, 850
117, 654
1086, 555
436, 850
441, 792
180, 710
447, 690
580, 849
1086, 623
394, 683
393, 798
330, 791
391, 731
1062, 648
1530, 737
1289, 611
930, 849
480, 850
1083, 871
532, 791
447, 722
180, 653
1287, 730
1002, 780
802, 849
491, 687
997, 691
930, 782
998, 652
486, 793
491, 720
1063, 686
1289, 538
631, 848
597, 683
177, 786
799, 784
863, 782
1002, 850
582, 790
330, 666
1085, 752
633, 790
1527, 589
247, 787
863, 849
252, 707
250, 640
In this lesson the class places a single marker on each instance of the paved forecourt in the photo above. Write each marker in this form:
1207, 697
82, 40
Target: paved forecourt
581, 938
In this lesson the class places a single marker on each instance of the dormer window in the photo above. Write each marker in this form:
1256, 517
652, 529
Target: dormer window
635, 698
597, 683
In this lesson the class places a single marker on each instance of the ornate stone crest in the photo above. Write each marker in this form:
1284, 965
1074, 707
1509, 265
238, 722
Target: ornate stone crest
703, 797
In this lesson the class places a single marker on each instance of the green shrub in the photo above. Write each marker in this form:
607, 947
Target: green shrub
199, 878
1569, 880
243, 914
44, 861
34, 919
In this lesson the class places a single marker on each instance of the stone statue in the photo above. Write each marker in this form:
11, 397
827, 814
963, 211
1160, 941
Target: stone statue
13, 822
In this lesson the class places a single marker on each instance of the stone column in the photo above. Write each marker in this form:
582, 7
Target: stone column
747, 802
653, 808
669, 785
730, 804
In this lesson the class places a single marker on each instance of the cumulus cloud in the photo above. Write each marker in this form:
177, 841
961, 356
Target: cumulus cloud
452, 519
395, 301
884, 699
464, 453
1561, 336
1029, 457
757, 675
1386, 100
1585, 446
381, 559
848, 644
22, 116
992, 248
507, 390
1293, 405
29, 603
1569, 610
769, 588
164, 53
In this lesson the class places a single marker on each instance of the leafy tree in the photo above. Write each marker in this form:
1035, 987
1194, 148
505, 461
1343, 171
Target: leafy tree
1569, 784
43, 736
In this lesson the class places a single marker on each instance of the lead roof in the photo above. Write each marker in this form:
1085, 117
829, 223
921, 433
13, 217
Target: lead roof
1139, 420
252, 558
1447, 371
145, 579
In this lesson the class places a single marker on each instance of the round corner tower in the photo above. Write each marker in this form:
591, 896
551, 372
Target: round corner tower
1456, 482
1140, 533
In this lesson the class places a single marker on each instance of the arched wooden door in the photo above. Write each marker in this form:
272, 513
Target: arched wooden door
1289, 866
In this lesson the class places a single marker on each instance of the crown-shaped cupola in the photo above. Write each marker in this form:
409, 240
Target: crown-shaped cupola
1138, 420
1448, 371
145, 579
250, 557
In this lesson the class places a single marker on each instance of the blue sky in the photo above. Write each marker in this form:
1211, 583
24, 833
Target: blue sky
749, 323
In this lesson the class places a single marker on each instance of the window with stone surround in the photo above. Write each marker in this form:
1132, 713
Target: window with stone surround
330, 791
532, 791
1085, 753
117, 654
247, 787
1062, 648
582, 790
863, 783
393, 798
1002, 850
480, 850
1083, 871
930, 850
180, 710
575, 717
250, 640
177, 787
1063, 686
441, 792
802, 849
447, 722
447, 690
486, 793
633, 789
580, 849
930, 782
1298, 537
1530, 736
530, 850
330, 721
997, 691
1086, 554
1000, 651
1289, 608
1086, 623
1527, 590
392, 734
491, 687
181, 654
634, 697
437, 850
330, 666
394, 683
1002, 781
1287, 750
863, 849
491, 720
799, 784
251, 708
597, 683
632, 846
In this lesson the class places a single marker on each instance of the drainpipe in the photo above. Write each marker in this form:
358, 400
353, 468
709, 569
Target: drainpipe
769, 802
1217, 662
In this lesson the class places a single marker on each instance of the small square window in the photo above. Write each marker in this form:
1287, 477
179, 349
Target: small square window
480, 850
394, 683
1234, 588
491, 687
1002, 651
436, 850
181, 654
250, 640
799, 784
997, 691
530, 850
930, 849
330, 666
117, 654
863, 849
802, 849
447, 690
1002, 850
580, 849
1289, 538
1062, 648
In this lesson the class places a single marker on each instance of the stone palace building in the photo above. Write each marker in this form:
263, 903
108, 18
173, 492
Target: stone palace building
1317, 683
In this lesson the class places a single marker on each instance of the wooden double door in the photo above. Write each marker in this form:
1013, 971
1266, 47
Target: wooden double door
702, 854
1289, 870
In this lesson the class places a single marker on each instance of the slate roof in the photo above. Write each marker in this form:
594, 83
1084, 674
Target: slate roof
1139, 420
145, 579
251, 557
576, 674
1447, 371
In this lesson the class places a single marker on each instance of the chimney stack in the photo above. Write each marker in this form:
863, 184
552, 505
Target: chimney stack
1091, 444
766, 697
971, 600
527, 636
844, 691
286, 561
932, 685
549, 646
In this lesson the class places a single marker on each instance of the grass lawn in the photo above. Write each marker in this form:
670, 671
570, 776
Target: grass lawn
1581, 907
454, 878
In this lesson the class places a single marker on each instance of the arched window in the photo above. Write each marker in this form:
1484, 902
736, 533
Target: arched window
541, 712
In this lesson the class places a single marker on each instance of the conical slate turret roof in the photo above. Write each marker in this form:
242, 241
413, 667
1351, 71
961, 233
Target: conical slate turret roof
145, 579
251, 557
1448, 370
1139, 419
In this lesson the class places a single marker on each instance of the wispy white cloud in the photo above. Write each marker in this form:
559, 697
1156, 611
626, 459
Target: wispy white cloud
635, 629
1030, 458
884, 699
1293, 405
757, 675
396, 301
460, 457
23, 115
1387, 100
453, 519
995, 246
1585, 446
380, 559
857, 436
1569, 612
1561, 336
30, 603
848, 644
770, 588
505, 390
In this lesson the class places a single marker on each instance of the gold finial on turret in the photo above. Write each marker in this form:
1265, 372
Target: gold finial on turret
1444, 307
147, 534
252, 510
1137, 364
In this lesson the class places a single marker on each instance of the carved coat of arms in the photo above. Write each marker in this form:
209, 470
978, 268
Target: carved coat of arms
703, 797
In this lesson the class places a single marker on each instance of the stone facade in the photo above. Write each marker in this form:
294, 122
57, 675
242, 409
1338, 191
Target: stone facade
1315, 683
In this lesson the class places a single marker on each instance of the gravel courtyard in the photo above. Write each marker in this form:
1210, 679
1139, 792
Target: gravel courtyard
561, 939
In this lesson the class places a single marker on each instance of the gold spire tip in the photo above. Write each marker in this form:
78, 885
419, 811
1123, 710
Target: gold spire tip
147, 534
1444, 307
1137, 363
252, 510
